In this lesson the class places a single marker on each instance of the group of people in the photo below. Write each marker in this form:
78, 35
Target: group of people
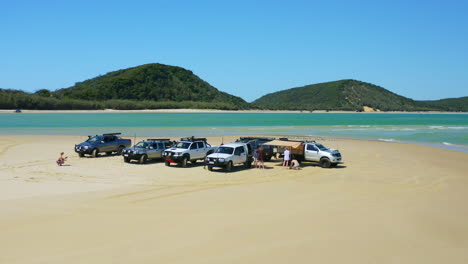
259, 159
293, 164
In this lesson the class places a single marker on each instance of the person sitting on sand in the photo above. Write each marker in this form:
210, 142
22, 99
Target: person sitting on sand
61, 160
294, 165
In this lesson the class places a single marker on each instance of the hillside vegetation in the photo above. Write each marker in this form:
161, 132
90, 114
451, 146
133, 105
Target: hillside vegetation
158, 86
150, 86
350, 95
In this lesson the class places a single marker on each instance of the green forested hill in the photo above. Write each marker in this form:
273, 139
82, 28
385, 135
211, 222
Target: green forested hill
349, 95
151, 82
150, 86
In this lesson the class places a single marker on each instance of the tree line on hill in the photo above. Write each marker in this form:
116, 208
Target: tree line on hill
158, 86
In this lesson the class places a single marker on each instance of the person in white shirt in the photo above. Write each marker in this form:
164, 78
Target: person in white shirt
287, 157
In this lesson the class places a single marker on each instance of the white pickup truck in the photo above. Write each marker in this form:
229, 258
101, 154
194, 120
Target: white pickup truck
188, 149
229, 155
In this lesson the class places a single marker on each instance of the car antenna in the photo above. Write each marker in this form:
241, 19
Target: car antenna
134, 139
222, 140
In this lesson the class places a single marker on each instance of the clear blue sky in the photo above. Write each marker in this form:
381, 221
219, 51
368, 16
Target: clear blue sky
418, 49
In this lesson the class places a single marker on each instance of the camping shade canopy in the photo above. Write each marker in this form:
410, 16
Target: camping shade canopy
283, 143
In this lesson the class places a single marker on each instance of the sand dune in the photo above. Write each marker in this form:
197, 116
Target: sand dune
388, 203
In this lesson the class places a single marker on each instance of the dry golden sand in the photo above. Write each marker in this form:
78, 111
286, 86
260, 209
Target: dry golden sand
388, 203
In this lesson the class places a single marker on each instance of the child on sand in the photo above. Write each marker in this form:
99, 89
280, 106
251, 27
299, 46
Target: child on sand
61, 160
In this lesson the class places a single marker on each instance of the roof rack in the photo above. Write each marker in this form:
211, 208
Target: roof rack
192, 139
111, 134
260, 138
158, 139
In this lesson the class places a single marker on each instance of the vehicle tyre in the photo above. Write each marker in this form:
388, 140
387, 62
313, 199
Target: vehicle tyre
126, 159
167, 163
268, 158
247, 165
143, 159
95, 153
184, 162
229, 166
325, 163
210, 168
119, 150
80, 155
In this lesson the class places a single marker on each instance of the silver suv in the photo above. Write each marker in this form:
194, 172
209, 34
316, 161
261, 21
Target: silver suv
146, 149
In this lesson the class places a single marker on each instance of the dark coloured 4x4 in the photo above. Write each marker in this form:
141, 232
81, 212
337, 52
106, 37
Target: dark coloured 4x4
146, 149
107, 143
256, 142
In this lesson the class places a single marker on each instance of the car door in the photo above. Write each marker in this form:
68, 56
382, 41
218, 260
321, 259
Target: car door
159, 150
201, 150
151, 150
311, 152
239, 155
194, 151
105, 144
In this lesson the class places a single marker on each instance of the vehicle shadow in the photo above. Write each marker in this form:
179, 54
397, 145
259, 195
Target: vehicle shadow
236, 169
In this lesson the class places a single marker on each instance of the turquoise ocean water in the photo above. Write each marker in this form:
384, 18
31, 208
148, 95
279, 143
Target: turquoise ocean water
440, 130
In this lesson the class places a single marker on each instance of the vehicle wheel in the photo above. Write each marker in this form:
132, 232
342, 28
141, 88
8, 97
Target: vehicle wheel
119, 151
229, 166
184, 162
95, 153
167, 163
325, 163
126, 159
143, 159
210, 168
108, 153
247, 165
80, 155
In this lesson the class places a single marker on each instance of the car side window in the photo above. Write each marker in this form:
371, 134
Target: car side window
193, 146
311, 147
239, 150
200, 144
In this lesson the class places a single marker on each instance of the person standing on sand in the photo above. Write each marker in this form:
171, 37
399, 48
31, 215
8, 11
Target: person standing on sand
61, 160
260, 158
287, 157
255, 159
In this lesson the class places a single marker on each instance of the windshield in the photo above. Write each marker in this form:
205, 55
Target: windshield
94, 139
225, 150
141, 144
182, 145
321, 147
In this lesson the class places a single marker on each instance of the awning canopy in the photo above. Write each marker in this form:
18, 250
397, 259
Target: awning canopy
283, 143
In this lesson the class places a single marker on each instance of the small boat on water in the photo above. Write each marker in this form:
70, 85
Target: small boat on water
18, 111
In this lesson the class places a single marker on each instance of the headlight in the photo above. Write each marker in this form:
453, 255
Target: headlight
221, 160
85, 147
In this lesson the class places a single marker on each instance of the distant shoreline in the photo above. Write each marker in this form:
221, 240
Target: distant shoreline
220, 111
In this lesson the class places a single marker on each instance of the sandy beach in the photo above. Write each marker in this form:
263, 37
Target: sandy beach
387, 203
